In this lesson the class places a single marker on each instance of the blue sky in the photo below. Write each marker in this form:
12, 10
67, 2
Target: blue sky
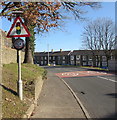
69, 38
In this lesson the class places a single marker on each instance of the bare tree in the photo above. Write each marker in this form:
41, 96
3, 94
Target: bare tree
100, 35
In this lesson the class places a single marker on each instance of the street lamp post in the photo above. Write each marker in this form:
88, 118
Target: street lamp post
48, 56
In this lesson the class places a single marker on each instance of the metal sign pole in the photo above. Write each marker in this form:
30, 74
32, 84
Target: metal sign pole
48, 55
19, 84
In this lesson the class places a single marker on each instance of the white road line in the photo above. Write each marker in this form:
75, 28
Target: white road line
106, 79
78, 100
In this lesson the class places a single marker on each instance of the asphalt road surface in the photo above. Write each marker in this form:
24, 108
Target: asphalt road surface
95, 89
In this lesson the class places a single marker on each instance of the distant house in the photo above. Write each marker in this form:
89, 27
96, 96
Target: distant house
112, 65
91, 58
57, 57
76, 57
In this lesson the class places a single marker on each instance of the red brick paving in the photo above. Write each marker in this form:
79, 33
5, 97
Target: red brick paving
81, 74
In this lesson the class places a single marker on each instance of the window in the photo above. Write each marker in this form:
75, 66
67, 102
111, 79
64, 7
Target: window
104, 64
78, 57
36, 58
84, 63
103, 58
63, 62
90, 63
45, 62
63, 57
58, 57
49, 58
72, 57
53, 58
72, 62
90, 58
45, 58
84, 57
41, 58
41, 62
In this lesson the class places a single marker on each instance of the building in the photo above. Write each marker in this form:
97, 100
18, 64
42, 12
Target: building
76, 57
91, 58
57, 57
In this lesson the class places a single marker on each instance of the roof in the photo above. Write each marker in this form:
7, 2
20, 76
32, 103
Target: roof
75, 52
81, 52
56, 53
89, 52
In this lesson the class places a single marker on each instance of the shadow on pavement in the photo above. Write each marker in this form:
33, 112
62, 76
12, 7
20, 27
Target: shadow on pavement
113, 95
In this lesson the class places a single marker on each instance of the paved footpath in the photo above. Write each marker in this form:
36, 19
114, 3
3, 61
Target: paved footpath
56, 101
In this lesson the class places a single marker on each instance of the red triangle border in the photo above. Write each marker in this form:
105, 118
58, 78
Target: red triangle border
25, 35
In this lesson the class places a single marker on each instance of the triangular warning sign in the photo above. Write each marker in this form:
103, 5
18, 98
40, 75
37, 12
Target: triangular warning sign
18, 29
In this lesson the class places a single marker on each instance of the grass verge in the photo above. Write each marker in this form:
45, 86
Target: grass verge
95, 68
12, 107
87, 67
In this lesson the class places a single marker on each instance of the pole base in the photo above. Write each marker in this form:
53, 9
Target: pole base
20, 89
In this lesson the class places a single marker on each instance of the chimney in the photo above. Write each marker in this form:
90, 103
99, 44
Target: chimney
60, 50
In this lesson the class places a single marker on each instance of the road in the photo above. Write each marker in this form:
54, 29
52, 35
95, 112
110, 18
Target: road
96, 90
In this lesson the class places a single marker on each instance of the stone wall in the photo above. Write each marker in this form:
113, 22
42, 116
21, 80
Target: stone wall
9, 55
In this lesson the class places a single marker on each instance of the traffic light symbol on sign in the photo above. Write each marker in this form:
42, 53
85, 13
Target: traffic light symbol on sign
18, 28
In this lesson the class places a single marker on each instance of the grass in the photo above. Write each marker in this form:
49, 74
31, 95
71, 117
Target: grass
68, 65
88, 67
12, 106
96, 68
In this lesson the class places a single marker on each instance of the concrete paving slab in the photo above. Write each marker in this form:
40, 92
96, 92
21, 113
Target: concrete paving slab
56, 101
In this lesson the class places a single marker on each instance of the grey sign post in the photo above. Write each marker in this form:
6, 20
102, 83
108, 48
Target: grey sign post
19, 84
19, 44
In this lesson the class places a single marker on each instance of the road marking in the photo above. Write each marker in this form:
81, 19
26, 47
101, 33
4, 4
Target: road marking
106, 79
78, 100
70, 74
80, 74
